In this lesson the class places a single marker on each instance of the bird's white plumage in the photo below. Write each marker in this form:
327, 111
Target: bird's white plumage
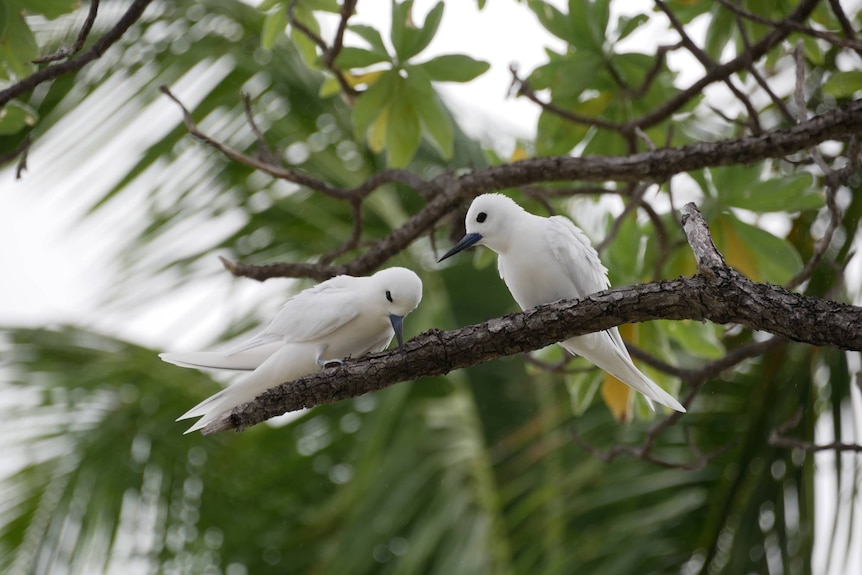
543, 260
342, 317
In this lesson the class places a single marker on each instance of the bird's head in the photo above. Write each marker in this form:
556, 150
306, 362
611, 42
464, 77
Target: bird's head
489, 223
400, 291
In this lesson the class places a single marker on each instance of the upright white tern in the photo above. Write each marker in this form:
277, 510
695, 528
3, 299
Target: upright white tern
543, 260
341, 317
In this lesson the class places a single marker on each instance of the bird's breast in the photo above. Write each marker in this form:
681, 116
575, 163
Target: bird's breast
535, 279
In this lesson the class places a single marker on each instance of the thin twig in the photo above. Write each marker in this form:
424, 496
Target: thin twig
264, 152
21, 151
67, 51
132, 15
779, 103
778, 438
524, 89
329, 54
796, 26
780, 31
645, 451
709, 64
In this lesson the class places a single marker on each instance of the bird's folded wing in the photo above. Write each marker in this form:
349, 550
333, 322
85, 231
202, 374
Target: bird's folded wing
577, 257
315, 312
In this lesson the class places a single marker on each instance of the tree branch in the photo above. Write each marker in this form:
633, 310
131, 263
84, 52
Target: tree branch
717, 293
653, 166
67, 51
136, 9
778, 439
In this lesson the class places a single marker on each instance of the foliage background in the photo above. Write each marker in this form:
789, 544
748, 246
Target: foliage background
476, 472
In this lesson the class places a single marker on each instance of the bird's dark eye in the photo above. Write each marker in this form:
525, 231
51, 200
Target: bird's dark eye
389, 296
481, 217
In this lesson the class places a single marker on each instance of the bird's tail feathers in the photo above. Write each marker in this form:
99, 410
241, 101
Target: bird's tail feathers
203, 407
243, 361
289, 362
608, 356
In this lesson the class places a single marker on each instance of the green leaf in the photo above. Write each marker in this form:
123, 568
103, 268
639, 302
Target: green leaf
307, 47
420, 39
331, 6
812, 50
776, 258
372, 102
582, 389
274, 25
49, 8
402, 27
15, 116
589, 22
577, 73
787, 194
329, 87
719, 33
18, 45
403, 130
628, 24
267, 5
433, 117
453, 68
552, 19
727, 179
698, 339
843, 84
556, 136
370, 35
5, 14
350, 57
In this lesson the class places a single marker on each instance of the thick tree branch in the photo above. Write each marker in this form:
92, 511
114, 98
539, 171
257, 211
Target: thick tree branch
653, 166
717, 293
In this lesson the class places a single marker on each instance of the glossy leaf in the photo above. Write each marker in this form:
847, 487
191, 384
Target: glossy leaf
306, 45
589, 21
453, 68
698, 339
402, 128
420, 39
274, 26
18, 46
720, 30
759, 254
373, 101
779, 194
628, 24
16, 116
358, 58
568, 76
843, 84
582, 389
49, 8
403, 29
433, 117
552, 19
372, 36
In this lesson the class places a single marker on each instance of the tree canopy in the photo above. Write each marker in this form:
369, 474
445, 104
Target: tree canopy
303, 139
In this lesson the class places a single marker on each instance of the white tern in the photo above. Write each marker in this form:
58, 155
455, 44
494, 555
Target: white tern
342, 317
543, 260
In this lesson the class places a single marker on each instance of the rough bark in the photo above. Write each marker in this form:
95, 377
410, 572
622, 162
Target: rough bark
717, 293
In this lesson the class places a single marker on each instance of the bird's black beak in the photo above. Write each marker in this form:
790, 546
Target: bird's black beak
466, 242
398, 325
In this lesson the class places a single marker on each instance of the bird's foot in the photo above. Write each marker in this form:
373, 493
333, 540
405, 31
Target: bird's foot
324, 363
